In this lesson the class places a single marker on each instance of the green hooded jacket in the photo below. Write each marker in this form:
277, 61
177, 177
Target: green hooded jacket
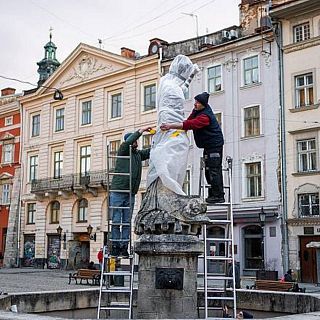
122, 165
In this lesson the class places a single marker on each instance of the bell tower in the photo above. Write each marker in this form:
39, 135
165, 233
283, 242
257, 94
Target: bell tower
49, 63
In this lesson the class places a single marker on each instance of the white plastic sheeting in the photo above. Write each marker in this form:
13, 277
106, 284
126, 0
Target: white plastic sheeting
169, 151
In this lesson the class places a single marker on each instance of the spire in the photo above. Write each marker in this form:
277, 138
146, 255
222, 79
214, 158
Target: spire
49, 63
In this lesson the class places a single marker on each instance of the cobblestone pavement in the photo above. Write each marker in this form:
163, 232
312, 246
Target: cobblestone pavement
35, 280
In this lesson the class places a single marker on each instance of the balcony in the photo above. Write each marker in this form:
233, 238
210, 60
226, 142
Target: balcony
68, 184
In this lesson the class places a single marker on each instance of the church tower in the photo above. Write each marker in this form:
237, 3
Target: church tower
49, 63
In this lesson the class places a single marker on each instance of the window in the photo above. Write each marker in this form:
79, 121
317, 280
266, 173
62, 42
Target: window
253, 179
149, 97
55, 212
31, 213
116, 102
113, 149
8, 121
253, 247
57, 164
308, 204
5, 193
214, 79
301, 32
304, 90
82, 210
85, 160
8, 153
35, 126
251, 121
86, 112
186, 184
146, 143
59, 126
33, 168
251, 70
307, 155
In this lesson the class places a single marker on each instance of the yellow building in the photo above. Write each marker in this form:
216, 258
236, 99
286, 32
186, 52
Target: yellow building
64, 150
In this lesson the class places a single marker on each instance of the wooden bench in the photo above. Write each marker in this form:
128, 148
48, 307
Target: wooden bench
87, 274
273, 285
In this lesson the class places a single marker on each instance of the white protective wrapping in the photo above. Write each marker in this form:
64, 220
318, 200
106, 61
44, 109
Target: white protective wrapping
169, 151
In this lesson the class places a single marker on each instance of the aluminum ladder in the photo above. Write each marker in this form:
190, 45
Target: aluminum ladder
218, 277
117, 273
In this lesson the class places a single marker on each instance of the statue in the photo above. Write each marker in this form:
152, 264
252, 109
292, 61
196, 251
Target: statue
165, 208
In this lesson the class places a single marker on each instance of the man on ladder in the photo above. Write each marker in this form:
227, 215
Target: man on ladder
207, 135
121, 201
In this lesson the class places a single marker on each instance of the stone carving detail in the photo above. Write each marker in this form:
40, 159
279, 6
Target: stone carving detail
86, 67
230, 63
165, 212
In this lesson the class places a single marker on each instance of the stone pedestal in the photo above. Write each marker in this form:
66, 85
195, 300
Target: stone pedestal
167, 276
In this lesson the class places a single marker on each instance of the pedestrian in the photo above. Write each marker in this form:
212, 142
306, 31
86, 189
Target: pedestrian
288, 277
237, 275
100, 257
207, 135
91, 266
120, 236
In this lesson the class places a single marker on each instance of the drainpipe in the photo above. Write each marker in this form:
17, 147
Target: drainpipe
159, 61
284, 199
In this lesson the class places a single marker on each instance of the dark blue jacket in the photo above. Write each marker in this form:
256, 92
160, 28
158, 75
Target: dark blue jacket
208, 137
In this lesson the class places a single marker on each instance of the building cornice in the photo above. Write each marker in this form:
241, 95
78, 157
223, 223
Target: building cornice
314, 221
313, 42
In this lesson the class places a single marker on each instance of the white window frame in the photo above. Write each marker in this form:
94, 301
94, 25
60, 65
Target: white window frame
8, 121
54, 162
5, 198
142, 88
243, 121
112, 162
308, 153
82, 211
305, 88
56, 109
243, 70
310, 204
207, 78
31, 125
304, 33
88, 163
35, 166
251, 160
110, 95
4, 152
81, 102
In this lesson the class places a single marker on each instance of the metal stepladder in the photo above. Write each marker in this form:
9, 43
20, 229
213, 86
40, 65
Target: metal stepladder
117, 272
218, 276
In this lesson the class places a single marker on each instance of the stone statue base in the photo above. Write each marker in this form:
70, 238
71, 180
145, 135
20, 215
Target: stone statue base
167, 276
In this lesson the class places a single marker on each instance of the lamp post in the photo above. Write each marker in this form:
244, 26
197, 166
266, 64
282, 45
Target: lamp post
262, 218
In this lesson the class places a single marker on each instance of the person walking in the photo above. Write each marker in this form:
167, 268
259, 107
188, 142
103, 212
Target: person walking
207, 135
120, 236
100, 257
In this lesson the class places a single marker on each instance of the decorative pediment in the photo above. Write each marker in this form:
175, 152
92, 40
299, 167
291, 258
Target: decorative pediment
5, 175
6, 136
86, 63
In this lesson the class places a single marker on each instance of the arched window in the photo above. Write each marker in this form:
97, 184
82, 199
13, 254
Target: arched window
55, 212
82, 210
253, 247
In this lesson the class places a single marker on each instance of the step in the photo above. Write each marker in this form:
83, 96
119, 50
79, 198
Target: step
114, 207
117, 290
218, 221
118, 157
117, 273
118, 307
220, 298
219, 239
215, 289
219, 278
219, 258
121, 191
118, 174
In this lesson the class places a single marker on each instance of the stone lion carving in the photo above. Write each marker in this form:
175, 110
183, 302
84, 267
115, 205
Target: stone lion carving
164, 211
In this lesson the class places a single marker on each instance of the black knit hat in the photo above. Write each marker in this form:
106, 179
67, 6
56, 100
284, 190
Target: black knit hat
202, 98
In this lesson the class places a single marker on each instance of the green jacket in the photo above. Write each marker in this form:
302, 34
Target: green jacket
122, 165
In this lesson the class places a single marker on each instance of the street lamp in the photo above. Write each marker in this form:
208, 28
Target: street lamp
91, 236
262, 218
193, 16
59, 231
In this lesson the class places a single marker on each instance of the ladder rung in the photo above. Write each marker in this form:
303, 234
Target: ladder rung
117, 273
218, 239
220, 298
114, 207
118, 157
116, 190
212, 308
219, 221
118, 174
219, 278
215, 289
219, 258
115, 308
218, 204
124, 289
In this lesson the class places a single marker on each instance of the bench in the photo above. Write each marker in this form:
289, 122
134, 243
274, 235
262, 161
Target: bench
87, 274
273, 285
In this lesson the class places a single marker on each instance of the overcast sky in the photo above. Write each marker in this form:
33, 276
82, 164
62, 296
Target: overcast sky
25, 24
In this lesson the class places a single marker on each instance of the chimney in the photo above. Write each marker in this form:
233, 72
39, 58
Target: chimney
128, 53
7, 92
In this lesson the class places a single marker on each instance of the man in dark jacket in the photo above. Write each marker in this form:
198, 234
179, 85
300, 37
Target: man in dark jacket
119, 201
207, 135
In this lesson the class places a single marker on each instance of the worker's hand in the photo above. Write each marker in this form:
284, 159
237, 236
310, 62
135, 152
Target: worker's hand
145, 129
168, 126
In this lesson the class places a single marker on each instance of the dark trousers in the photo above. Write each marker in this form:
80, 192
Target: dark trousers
213, 171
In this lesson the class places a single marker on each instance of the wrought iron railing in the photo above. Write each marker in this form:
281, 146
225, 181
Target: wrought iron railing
70, 182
